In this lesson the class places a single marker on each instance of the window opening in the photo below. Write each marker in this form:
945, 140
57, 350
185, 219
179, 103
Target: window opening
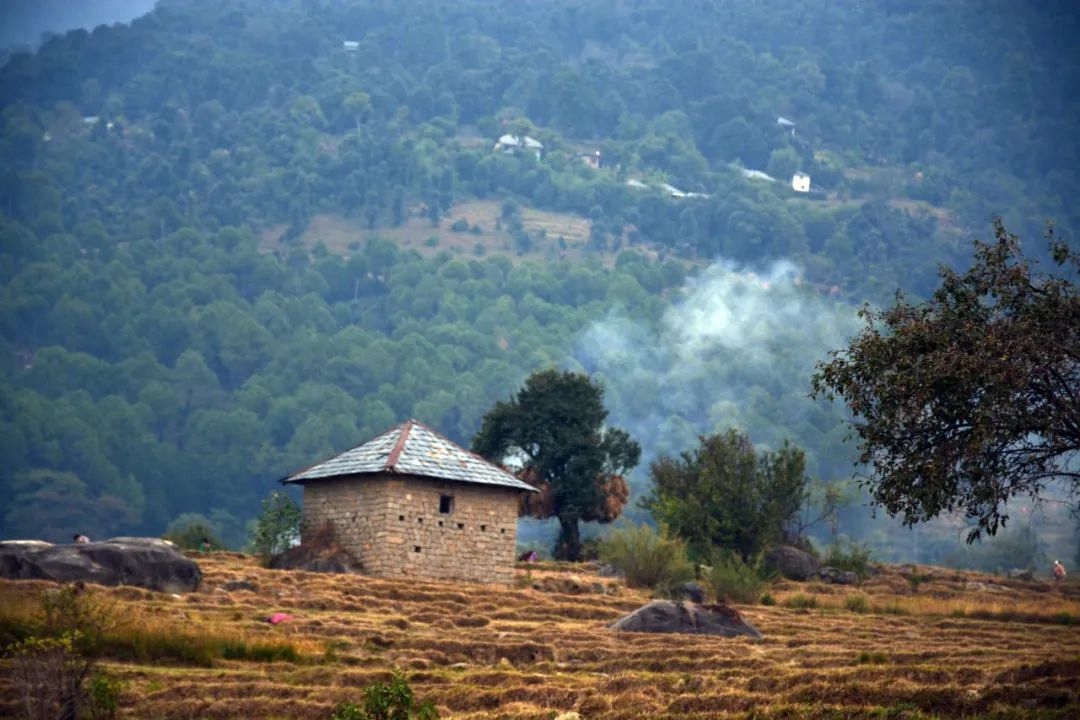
446, 504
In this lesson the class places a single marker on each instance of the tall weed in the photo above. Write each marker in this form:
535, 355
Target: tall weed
647, 559
733, 580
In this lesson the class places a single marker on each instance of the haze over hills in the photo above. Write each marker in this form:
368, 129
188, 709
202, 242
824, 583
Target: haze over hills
24, 22
238, 237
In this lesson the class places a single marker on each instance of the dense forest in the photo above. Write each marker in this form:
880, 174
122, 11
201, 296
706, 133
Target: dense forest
175, 333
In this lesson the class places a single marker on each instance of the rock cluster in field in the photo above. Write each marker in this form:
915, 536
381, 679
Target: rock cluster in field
667, 616
142, 562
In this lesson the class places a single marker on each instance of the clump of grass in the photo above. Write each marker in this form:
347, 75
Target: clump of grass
732, 579
647, 559
767, 599
871, 658
801, 602
849, 556
857, 604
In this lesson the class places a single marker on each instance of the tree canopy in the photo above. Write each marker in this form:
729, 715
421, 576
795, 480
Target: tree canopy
554, 427
971, 398
725, 495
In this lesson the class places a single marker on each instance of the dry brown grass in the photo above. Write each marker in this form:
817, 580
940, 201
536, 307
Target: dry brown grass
485, 652
343, 235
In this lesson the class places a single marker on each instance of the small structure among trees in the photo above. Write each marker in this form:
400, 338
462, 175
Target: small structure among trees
411, 503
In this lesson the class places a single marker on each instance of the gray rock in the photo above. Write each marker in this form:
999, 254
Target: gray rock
692, 591
838, 577
238, 585
1018, 574
792, 563
142, 562
667, 616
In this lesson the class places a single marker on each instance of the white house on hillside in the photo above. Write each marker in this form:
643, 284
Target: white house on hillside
800, 182
512, 143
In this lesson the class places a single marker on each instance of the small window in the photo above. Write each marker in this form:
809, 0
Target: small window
461, 526
416, 548
446, 504
420, 520
401, 518
483, 528
440, 523
502, 531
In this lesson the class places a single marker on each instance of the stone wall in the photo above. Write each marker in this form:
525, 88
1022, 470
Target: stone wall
397, 526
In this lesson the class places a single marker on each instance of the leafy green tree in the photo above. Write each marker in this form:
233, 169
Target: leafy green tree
554, 426
726, 495
277, 528
972, 397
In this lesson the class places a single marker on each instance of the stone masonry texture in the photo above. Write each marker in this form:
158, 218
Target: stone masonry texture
394, 526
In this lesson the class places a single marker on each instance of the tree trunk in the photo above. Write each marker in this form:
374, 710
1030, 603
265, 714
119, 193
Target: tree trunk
568, 546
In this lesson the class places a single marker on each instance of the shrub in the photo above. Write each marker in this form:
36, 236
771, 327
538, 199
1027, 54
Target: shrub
732, 579
52, 663
189, 530
277, 528
387, 701
460, 225
851, 556
801, 602
857, 603
647, 559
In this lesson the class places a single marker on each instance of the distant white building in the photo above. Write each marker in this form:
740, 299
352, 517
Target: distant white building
512, 143
786, 124
800, 182
350, 46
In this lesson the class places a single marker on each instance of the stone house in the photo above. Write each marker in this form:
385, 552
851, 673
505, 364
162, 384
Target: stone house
412, 504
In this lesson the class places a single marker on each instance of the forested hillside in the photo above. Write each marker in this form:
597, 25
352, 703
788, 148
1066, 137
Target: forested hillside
175, 333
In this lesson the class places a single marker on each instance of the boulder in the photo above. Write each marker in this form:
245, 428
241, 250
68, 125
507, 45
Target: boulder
142, 562
1020, 574
692, 591
668, 616
792, 563
838, 577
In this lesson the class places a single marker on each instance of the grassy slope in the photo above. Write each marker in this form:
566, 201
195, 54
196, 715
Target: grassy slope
341, 235
528, 651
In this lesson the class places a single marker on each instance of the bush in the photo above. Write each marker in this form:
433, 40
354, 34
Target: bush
460, 225
851, 556
278, 528
857, 603
190, 530
387, 701
733, 580
647, 559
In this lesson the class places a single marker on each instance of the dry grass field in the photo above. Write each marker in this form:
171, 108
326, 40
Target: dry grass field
945, 644
343, 235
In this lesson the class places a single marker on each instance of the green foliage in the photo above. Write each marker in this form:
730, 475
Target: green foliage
192, 531
277, 528
800, 601
387, 701
726, 495
732, 579
51, 665
647, 559
850, 556
957, 400
103, 694
857, 603
555, 423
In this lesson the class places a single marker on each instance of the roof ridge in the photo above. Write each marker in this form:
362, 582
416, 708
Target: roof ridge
468, 452
406, 427
335, 455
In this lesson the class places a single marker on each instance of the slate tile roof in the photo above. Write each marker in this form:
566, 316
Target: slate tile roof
412, 449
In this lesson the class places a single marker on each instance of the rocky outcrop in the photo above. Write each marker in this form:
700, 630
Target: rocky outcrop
666, 616
142, 562
838, 577
792, 563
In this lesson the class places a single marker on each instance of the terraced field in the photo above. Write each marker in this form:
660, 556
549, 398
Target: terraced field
963, 645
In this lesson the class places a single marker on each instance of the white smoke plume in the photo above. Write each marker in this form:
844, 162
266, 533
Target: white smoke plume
737, 350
